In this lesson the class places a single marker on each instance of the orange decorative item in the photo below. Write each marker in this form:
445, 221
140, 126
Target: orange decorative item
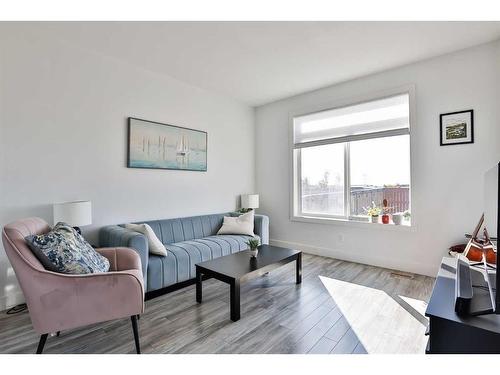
474, 249
491, 256
488, 248
478, 248
475, 252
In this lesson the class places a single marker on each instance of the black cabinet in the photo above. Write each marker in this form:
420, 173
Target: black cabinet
450, 333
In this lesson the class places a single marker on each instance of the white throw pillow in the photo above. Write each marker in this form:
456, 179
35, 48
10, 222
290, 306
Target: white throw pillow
155, 245
242, 224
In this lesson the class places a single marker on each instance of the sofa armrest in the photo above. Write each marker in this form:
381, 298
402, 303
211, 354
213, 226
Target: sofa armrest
261, 228
116, 236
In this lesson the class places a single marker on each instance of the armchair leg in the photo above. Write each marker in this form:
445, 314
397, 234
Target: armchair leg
41, 343
136, 333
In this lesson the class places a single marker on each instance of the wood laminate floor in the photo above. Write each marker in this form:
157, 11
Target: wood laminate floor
340, 307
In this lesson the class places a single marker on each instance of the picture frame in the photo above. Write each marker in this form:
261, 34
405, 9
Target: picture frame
156, 145
456, 128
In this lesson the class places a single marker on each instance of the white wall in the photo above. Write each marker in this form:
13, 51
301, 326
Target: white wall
63, 137
447, 181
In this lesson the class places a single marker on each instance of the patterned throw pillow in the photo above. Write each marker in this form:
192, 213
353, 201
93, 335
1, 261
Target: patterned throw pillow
64, 250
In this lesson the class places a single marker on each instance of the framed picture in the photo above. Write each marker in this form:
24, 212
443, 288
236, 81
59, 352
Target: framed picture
456, 128
155, 145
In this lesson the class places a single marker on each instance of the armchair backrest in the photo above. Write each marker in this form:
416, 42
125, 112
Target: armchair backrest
20, 256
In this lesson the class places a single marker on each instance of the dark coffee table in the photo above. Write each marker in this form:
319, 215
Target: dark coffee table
236, 268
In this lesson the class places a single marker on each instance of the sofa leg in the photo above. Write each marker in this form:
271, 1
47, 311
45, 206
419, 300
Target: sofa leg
136, 333
41, 343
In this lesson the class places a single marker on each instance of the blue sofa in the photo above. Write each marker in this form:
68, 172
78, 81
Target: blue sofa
188, 241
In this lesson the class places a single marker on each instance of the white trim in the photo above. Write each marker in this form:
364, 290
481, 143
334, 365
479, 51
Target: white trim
292, 162
330, 220
413, 123
319, 215
353, 138
347, 180
335, 102
295, 185
395, 263
298, 181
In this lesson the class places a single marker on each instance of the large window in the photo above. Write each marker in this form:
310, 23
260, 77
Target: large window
346, 159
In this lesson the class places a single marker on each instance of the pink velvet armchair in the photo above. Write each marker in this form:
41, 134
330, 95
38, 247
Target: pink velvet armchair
58, 302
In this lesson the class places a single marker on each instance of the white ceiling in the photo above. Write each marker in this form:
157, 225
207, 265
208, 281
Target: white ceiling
260, 62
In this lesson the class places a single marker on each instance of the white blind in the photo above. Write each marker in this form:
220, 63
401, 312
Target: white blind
387, 115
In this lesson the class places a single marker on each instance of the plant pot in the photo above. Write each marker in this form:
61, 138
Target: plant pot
397, 219
385, 219
254, 252
374, 219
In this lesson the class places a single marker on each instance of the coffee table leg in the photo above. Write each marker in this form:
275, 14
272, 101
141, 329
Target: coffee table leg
298, 271
198, 285
235, 300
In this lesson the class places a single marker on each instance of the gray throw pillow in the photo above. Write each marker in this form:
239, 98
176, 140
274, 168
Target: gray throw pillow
64, 250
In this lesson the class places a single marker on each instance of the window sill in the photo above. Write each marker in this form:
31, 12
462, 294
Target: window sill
353, 223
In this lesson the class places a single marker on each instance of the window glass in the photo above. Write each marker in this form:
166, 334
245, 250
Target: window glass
322, 189
380, 169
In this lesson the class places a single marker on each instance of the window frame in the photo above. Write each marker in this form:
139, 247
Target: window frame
296, 213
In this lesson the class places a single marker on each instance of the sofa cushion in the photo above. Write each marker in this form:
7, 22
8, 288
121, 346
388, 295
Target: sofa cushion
179, 264
67, 251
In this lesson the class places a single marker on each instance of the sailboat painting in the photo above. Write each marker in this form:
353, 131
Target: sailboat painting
162, 146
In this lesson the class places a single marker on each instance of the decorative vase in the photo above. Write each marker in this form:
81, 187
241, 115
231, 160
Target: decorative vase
385, 219
374, 219
397, 219
254, 252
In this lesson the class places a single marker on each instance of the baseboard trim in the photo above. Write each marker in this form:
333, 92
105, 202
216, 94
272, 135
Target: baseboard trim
394, 264
11, 300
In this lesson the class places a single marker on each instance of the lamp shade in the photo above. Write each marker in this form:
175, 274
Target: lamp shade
76, 214
250, 201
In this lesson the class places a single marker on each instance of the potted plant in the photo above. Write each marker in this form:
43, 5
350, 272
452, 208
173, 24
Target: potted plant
397, 218
385, 215
373, 212
407, 215
253, 244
